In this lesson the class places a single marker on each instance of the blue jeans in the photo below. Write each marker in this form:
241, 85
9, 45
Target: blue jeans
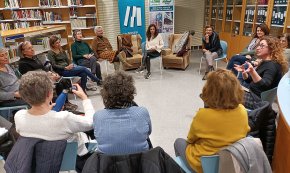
237, 59
82, 72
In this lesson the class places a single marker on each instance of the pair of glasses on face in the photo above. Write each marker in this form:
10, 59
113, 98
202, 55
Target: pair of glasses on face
262, 46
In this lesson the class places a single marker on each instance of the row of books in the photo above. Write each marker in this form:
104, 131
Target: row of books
249, 15
74, 2
27, 14
49, 3
278, 15
262, 13
78, 23
52, 16
12, 3
280, 1
16, 25
229, 14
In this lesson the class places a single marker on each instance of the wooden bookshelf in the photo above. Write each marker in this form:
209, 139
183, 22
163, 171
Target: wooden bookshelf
75, 14
237, 19
11, 38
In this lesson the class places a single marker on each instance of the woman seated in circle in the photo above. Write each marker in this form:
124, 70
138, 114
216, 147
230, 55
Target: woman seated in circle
248, 54
268, 73
61, 64
41, 122
83, 55
222, 122
285, 42
122, 127
154, 45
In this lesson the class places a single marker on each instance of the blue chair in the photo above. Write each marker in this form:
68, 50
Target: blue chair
224, 46
210, 164
181, 163
269, 95
69, 157
6, 112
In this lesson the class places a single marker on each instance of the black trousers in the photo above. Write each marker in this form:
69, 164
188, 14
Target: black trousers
92, 64
148, 55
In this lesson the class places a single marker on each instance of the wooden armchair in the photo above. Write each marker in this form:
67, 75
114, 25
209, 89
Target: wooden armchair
135, 61
171, 60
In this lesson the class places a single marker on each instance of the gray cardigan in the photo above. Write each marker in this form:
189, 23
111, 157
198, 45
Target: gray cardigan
9, 84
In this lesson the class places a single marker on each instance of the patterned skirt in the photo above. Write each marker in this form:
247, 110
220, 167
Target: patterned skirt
109, 55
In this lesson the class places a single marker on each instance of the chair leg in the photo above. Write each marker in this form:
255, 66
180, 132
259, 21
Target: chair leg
216, 64
106, 64
161, 65
200, 64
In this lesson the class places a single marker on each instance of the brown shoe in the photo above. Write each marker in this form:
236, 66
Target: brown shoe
122, 58
70, 107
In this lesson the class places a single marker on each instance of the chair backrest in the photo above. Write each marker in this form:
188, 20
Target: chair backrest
269, 95
136, 43
224, 46
69, 157
210, 164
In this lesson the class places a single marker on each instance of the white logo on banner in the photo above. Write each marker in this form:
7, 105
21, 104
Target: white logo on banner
136, 13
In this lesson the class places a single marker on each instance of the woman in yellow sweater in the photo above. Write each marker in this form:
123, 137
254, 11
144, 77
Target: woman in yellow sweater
222, 122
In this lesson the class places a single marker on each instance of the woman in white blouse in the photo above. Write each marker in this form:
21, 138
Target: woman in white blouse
154, 45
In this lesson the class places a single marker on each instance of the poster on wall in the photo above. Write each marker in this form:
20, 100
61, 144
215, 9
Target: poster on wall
162, 15
132, 17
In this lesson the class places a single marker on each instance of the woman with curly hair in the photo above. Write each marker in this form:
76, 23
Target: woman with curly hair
209, 131
122, 127
269, 71
248, 54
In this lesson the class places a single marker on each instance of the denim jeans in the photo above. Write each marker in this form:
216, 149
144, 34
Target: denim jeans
82, 72
238, 60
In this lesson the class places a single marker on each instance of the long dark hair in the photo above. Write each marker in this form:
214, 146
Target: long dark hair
264, 28
148, 33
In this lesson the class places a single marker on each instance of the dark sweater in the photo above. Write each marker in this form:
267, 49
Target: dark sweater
58, 61
271, 74
80, 48
30, 64
214, 43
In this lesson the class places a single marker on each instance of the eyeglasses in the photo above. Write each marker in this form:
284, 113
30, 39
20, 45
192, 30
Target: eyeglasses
262, 46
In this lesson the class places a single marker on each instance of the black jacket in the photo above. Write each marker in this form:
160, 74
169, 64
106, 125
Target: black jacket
152, 161
30, 64
214, 44
30, 155
262, 123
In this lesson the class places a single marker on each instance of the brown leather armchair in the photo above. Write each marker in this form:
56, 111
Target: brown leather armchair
135, 61
171, 60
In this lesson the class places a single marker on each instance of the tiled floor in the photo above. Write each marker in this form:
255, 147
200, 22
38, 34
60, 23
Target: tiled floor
171, 98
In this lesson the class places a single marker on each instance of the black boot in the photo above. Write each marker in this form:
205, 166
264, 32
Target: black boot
205, 75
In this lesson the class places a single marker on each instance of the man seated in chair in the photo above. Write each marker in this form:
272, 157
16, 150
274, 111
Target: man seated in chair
9, 95
103, 49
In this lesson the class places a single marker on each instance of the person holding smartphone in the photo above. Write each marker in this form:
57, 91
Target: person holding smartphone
40, 121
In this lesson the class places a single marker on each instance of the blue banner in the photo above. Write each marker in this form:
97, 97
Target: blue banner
132, 17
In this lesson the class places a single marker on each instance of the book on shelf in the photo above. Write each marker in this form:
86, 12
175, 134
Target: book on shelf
75, 2
27, 14
278, 15
12, 3
49, 3
78, 23
52, 17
